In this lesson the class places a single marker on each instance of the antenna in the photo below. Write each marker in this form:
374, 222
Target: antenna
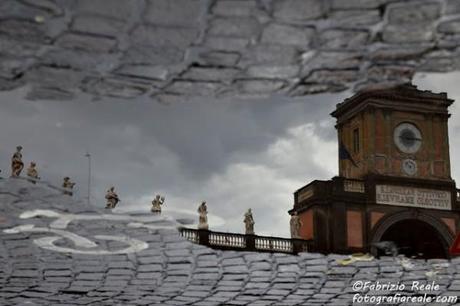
89, 177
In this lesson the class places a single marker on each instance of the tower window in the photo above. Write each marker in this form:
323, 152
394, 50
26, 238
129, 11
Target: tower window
356, 140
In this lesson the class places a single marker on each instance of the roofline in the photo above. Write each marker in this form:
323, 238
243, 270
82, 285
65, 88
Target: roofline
405, 92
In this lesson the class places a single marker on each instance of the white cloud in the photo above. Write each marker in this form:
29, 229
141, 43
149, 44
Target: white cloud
303, 153
267, 186
447, 82
264, 181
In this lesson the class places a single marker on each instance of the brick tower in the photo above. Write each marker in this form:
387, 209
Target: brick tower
394, 178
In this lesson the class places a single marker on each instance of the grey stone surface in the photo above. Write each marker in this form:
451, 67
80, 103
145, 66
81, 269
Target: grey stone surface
173, 271
169, 50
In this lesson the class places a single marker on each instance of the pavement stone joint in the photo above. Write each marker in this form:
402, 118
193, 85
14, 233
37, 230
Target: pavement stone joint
169, 270
171, 50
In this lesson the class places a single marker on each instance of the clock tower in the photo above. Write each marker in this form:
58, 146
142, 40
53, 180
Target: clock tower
394, 181
398, 132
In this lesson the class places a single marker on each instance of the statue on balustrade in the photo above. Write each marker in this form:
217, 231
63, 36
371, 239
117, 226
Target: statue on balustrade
16, 162
112, 198
203, 219
295, 224
249, 222
68, 186
156, 204
32, 172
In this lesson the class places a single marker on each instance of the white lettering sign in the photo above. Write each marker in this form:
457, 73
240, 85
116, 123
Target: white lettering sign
413, 197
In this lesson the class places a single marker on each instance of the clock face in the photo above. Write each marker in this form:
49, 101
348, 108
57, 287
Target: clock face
407, 138
409, 167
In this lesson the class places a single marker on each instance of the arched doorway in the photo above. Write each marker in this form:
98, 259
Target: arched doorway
415, 238
415, 234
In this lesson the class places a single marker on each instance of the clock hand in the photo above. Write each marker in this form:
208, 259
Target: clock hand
410, 138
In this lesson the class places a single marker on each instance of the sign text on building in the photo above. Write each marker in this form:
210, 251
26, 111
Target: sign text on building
413, 197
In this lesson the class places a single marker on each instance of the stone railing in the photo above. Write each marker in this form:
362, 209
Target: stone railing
190, 235
241, 242
226, 240
276, 245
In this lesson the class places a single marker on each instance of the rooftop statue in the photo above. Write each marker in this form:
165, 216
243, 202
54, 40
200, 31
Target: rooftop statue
32, 172
16, 163
67, 184
249, 222
156, 204
112, 198
295, 224
203, 219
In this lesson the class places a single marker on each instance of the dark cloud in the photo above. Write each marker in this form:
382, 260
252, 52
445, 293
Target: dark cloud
234, 154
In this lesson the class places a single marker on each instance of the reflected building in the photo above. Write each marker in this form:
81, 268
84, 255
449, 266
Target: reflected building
394, 181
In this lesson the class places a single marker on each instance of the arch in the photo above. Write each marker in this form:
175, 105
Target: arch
388, 221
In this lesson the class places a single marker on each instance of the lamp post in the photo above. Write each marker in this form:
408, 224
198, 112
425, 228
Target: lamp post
89, 177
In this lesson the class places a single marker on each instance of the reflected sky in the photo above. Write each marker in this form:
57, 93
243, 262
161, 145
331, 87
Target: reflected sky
234, 154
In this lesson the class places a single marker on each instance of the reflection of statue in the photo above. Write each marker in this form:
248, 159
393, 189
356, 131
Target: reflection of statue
16, 163
112, 198
295, 224
156, 204
67, 184
249, 222
203, 220
32, 172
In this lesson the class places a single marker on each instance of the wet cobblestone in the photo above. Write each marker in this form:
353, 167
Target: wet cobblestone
170, 50
172, 271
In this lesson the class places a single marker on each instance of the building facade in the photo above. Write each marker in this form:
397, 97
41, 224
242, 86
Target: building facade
394, 181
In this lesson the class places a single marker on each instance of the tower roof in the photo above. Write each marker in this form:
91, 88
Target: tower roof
402, 97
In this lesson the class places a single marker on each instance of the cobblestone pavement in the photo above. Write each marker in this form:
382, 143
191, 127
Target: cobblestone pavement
166, 269
177, 49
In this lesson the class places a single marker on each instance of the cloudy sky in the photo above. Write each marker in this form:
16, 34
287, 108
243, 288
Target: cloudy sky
233, 154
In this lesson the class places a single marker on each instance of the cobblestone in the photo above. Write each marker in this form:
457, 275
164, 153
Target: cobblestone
159, 48
173, 271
